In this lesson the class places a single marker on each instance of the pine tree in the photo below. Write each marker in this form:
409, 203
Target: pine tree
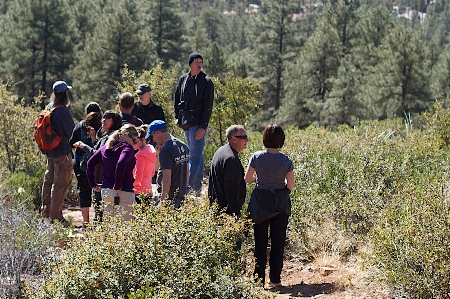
276, 42
310, 78
116, 41
37, 45
166, 30
399, 83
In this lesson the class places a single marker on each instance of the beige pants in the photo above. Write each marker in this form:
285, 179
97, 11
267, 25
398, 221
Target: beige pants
125, 208
57, 179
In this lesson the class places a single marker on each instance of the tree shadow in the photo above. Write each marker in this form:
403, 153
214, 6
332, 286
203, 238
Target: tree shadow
305, 290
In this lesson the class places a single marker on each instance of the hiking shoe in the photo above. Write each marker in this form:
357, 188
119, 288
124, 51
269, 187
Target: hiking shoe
63, 222
274, 284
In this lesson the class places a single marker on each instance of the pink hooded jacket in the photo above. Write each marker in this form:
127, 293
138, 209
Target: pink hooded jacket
144, 170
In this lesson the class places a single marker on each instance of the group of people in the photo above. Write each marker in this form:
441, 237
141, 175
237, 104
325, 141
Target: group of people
117, 155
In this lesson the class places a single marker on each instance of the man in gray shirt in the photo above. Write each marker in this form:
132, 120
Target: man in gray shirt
173, 162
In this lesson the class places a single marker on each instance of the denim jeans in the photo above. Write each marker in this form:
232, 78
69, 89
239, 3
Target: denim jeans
196, 163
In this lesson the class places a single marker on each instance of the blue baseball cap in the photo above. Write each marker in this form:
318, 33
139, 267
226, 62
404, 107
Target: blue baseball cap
155, 125
60, 86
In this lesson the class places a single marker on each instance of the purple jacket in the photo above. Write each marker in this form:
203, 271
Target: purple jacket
118, 163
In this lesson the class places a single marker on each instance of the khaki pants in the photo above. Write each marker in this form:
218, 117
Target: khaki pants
125, 208
57, 179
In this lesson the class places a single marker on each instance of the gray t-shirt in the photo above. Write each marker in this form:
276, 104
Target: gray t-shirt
174, 155
271, 169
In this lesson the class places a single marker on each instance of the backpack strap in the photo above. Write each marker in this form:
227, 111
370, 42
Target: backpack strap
133, 120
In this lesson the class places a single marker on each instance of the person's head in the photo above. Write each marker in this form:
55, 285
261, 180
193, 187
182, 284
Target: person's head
144, 93
140, 141
237, 137
157, 132
111, 121
195, 63
273, 136
60, 95
126, 102
94, 120
127, 133
92, 107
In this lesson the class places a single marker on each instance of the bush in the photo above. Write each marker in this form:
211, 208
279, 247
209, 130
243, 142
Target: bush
22, 164
411, 244
162, 253
24, 243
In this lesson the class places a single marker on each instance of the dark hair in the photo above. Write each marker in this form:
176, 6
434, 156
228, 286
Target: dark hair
273, 136
93, 119
126, 100
92, 107
117, 120
142, 130
60, 98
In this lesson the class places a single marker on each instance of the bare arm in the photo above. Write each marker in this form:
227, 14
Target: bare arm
250, 176
166, 181
290, 180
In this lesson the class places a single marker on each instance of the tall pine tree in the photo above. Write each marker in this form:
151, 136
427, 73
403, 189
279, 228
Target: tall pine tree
37, 45
277, 42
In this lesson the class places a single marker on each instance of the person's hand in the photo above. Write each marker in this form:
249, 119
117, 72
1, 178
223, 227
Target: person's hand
200, 133
79, 144
92, 133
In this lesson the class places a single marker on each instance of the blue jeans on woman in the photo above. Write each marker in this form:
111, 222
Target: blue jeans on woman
196, 162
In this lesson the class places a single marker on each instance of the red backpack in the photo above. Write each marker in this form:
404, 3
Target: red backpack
46, 138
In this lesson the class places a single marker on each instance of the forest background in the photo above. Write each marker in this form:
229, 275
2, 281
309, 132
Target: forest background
325, 63
360, 79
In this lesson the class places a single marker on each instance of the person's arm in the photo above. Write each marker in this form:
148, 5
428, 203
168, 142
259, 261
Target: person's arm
208, 103
250, 175
232, 183
93, 161
75, 136
290, 180
125, 157
166, 181
177, 98
161, 114
68, 124
138, 171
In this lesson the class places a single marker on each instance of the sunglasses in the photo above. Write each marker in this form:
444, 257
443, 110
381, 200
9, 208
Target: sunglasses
242, 137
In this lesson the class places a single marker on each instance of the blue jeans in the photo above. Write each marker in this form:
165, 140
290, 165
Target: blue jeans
196, 163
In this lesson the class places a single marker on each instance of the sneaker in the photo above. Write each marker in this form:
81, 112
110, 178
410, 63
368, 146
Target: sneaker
63, 222
274, 284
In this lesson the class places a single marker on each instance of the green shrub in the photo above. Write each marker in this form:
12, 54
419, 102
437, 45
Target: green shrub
411, 244
162, 253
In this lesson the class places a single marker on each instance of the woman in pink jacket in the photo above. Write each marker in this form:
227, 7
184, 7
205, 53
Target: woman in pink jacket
145, 167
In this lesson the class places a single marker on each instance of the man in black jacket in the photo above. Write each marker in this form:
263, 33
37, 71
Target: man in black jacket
226, 176
194, 98
146, 109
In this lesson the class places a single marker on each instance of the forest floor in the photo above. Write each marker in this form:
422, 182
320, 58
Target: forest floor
327, 278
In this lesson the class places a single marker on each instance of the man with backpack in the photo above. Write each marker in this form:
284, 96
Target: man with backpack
126, 105
58, 174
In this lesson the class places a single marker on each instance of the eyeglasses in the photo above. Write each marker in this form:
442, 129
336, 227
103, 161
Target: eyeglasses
242, 137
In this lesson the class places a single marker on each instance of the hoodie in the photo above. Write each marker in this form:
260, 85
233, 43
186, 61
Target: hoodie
118, 163
144, 170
